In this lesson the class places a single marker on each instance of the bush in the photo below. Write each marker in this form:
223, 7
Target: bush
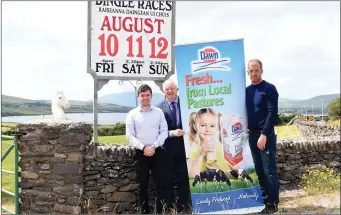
334, 122
283, 119
9, 131
113, 130
322, 180
334, 109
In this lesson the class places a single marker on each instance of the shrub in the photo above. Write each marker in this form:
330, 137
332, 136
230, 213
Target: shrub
334, 122
334, 109
322, 180
9, 131
113, 130
283, 119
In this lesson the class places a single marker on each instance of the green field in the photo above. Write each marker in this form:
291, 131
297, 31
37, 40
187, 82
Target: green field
7, 179
121, 139
9, 124
211, 187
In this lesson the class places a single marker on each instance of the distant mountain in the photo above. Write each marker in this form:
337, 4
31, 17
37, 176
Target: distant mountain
123, 102
312, 105
12, 99
15, 106
317, 100
127, 99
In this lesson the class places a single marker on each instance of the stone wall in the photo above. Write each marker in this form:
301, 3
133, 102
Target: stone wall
51, 163
110, 183
110, 179
316, 129
62, 173
294, 156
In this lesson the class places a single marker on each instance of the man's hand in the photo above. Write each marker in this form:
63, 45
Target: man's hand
149, 151
261, 142
178, 133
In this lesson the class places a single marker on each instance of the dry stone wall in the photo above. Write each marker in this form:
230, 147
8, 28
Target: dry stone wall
317, 129
61, 172
51, 163
110, 183
295, 156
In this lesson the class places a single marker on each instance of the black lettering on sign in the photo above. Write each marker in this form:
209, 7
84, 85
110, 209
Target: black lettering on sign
105, 67
132, 68
159, 69
155, 5
127, 4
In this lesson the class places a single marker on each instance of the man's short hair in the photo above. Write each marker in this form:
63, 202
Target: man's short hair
144, 88
258, 61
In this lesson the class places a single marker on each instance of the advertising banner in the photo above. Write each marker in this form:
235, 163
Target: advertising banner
211, 79
130, 39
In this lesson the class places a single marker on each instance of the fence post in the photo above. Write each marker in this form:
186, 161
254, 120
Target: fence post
16, 177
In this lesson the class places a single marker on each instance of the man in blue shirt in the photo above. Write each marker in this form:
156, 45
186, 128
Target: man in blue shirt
147, 130
262, 114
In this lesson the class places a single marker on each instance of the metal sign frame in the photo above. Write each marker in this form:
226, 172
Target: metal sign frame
100, 81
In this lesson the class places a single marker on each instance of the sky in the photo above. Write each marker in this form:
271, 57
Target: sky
44, 45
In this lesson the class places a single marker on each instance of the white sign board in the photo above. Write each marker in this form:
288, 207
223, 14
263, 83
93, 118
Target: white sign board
131, 39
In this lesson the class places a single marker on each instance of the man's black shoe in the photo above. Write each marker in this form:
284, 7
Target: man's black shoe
270, 209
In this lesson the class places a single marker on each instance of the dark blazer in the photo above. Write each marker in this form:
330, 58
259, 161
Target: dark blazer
173, 145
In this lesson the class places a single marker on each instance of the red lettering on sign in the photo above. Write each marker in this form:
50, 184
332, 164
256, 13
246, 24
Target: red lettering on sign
129, 24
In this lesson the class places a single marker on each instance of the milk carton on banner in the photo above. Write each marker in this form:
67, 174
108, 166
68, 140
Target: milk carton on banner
234, 137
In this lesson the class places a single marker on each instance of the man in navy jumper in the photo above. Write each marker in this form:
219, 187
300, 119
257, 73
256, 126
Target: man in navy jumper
262, 114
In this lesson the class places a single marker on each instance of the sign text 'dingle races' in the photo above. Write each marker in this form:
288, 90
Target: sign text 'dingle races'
131, 38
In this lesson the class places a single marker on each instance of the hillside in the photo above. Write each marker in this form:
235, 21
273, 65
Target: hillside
123, 102
127, 98
313, 104
15, 106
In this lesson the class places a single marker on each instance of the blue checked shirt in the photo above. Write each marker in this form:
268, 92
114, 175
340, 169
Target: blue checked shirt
146, 128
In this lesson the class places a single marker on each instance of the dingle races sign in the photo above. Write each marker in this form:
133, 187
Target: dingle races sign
130, 39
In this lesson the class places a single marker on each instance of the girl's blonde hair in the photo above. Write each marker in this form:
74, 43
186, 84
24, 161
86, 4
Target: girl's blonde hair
192, 123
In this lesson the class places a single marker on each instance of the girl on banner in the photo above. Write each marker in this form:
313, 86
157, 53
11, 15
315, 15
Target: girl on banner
206, 138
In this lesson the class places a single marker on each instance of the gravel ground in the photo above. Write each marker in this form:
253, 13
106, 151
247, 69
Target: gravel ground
296, 201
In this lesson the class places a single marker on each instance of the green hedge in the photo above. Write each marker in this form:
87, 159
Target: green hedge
283, 119
113, 130
9, 131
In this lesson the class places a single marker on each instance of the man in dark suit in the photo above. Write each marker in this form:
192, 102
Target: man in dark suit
174, 144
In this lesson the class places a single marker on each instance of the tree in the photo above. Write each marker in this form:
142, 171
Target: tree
334, 109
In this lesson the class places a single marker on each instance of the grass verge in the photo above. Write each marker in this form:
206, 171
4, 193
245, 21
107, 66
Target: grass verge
290, 131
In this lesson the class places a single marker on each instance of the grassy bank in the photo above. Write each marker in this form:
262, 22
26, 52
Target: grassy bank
284, 131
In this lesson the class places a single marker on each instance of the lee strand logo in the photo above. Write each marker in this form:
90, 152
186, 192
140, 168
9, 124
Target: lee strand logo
209, 58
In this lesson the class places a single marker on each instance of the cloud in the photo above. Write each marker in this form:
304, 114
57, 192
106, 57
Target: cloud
44, 44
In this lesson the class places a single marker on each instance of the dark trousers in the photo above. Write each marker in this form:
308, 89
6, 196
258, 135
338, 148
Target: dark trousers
178, 167
266, 168
158, 164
